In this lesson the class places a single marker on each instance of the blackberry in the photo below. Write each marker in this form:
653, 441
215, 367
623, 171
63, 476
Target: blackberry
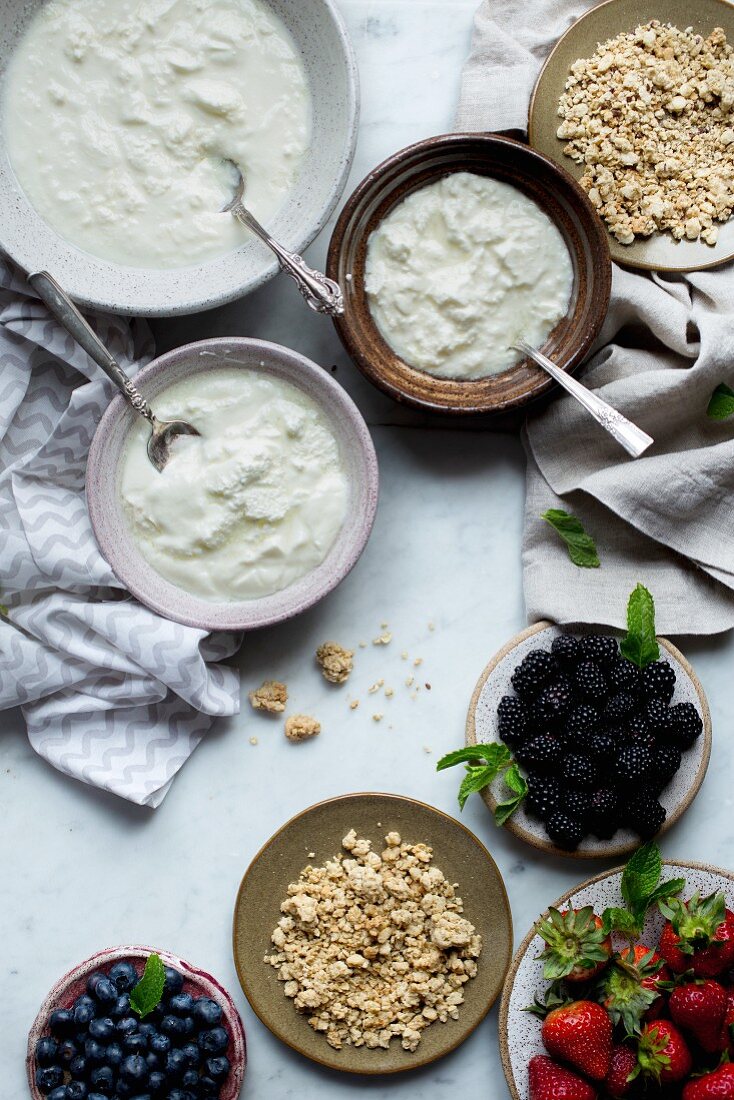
685, 725
624, 676
658, 681
633, 764
533, 673
603, 747
599, 648
575, 803
512, 720
666, 762
578, 770
566, 650
543, 795
541, 754
590, 681
582, 719
603, 817
637, 726
555, 700
644, 814
619, 708
657, 716
564, 831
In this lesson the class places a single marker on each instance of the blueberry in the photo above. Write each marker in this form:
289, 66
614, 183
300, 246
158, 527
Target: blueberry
78, 1066
84, 1014
95, 1052
174, 980
218, 1068
214, 1041
192, 1054
47, 1050
92, 980
103, 1080
49, 1078
135, 1043
152, 1060
126, 1026
181, 1003
208, 1086
85, 999
61, 1022
160, 1044
173, 1026
98, 1096
103, 989
175, 1063
124, 975
134, 1069
156, 1081
207, 1012
77, 1090
121, 1007
190, 1079
114, 1055
148, 1030
61, 1093
68, 1051
102, 1028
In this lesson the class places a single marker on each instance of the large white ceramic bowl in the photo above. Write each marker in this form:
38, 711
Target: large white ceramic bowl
322, 40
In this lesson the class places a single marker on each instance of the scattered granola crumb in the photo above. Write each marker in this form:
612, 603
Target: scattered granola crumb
414, 694
335, 662
362, 645
417, 662
299, 727
375, 687
354, 704
427, 749
254, 741
384, 639
271, 697
410, 680
389, 692
374, 947
428, 687
384, 626
431, 627
377, 717
404, 655
311, 855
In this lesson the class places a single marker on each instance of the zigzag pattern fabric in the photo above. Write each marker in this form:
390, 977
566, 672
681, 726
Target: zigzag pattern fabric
112, 694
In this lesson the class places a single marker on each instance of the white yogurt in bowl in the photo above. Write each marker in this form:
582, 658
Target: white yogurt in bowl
253, 504
117, 114
460, 269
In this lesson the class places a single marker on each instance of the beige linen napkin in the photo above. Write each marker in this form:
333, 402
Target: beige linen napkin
667, 518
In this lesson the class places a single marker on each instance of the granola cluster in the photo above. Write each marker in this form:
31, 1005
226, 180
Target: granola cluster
299, 727
335, 662
651, 116
271, 697
374, 946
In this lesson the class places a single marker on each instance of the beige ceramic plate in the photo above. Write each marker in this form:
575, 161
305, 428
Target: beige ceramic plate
481, 727
320, 829
659, 252
519, 1031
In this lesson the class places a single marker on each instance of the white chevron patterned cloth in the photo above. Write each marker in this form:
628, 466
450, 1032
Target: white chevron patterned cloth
112, 694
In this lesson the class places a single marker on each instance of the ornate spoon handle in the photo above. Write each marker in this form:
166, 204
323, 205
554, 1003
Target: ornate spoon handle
627, 434
320, 294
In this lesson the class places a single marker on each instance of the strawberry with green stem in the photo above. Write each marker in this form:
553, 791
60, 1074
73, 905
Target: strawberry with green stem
580, 1033
630, 988
698, 935
718, 1085
623, 1072
549, 1081
577, 947
699, 1007
663, 1053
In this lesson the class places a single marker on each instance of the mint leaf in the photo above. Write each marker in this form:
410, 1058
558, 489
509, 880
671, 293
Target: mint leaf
641, 876
640, 645
146, 995
721, 404
619, 920
581, 546
476, 779
666, 890
495, 755
517, 784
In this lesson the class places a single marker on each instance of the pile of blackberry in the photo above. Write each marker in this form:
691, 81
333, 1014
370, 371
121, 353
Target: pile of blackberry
98, 1048
597, 737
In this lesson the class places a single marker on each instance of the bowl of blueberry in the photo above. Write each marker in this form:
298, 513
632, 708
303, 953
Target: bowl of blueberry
582, 743
134, 1023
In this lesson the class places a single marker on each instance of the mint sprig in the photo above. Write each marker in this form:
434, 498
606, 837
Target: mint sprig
721, 404
640, 643
581, 546
483, 764
515, 782
146, 995
641, 889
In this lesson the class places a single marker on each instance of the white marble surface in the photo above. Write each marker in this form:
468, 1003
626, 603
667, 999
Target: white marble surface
82, 870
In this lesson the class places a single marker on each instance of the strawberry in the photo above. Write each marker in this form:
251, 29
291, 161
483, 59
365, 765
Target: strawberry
577, 948
580, 1033
549, 1081
727, 1028
699, 1007
629, 989
698, 935
663, 1053
620, 1079
718, 1085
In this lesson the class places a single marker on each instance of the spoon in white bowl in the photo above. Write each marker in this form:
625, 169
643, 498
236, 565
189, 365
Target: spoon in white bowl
627, 434
320, 294
60, 304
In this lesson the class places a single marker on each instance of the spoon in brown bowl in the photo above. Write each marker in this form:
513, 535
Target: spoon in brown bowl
627, 434
320, 294
164, 432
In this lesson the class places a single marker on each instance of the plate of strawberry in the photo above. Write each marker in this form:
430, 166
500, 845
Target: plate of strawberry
624, 988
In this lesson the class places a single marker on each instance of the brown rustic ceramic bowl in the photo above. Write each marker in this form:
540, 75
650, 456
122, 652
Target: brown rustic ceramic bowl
112, 530
314, 836
197, 982
519, 1031
481, 728
551, 188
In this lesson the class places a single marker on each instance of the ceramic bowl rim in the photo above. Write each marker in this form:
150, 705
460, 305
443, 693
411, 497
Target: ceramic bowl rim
593, 230
238, 615
408, 800
612, 851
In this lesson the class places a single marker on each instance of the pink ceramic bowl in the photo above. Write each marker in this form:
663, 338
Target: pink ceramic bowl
108, 518
197, 982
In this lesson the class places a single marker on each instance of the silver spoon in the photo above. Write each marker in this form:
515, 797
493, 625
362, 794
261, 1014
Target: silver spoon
627, 434
321, 294
58, 301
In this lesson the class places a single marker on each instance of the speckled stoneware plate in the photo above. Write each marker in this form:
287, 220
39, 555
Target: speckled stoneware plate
113, 533
519, 1032
322, 40
481, 727
197, 982
457, 852
659, 252
513, 162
